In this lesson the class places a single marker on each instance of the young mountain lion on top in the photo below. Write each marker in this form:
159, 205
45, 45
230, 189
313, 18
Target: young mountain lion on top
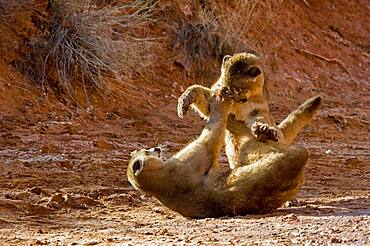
242, 74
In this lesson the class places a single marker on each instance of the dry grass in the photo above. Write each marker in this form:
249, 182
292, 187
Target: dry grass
214, 34
217, 29
236, 22
199, 38
98, 45
92, 45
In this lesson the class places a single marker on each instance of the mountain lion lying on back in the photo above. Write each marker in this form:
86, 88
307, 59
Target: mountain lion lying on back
193, 183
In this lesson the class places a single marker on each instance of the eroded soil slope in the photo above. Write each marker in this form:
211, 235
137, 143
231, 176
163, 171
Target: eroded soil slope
63, 171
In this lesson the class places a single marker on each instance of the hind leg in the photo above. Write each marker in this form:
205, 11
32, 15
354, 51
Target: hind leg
272, 180
300, 117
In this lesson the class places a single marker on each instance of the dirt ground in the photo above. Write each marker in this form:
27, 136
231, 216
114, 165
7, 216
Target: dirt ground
63, 171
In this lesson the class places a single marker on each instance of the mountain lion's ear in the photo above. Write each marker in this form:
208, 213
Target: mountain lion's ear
133, 153
225, 59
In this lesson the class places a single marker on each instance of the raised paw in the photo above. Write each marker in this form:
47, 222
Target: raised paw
259, 131
264, 132
225, 94
273, 134
220, 102
184, 102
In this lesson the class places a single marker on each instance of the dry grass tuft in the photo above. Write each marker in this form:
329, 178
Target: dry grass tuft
214, 34
236, 22
199, 38
217, 29
93, 45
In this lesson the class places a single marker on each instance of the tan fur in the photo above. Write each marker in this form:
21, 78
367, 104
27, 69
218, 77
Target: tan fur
192, 183
243, 144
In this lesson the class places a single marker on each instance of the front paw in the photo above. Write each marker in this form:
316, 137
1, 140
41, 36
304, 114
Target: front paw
221, 101
184, 102
225, 94
273, 134
264, 132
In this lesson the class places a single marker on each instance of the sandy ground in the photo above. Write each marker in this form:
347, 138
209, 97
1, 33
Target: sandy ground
62, 187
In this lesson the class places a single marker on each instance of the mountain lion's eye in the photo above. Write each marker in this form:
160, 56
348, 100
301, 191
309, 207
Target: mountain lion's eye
253, 72
136, 167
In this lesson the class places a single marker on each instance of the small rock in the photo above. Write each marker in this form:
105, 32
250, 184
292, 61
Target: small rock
335, 240
50, 148
102, 143
39, 242
79, 202
93, 242
36, 190
57, 197
111, 116
339, 120
2, 221
66, 164
353, 161
71, 129
290, 217
38, 209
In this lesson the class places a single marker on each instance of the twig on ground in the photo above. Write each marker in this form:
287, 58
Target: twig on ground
306, 3
333, 60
